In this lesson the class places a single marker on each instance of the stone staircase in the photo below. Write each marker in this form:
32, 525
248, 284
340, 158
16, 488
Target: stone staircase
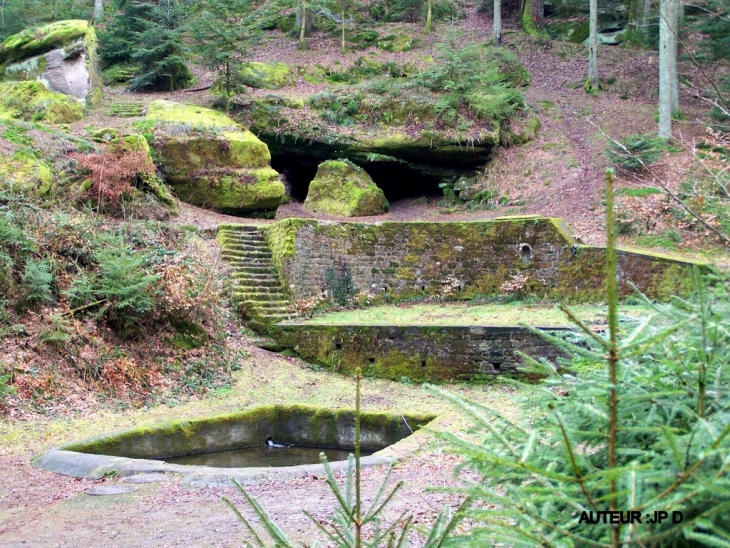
127, 110
257, 291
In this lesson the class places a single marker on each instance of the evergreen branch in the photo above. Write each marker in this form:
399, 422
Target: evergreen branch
576, 470
243, 520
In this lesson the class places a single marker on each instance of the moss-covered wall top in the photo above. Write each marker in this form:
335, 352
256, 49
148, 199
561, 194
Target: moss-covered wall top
461, 258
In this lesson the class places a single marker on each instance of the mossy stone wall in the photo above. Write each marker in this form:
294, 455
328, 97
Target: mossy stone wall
418, 353
295, 424
476, 257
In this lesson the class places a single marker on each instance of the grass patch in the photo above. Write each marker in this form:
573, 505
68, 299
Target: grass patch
467, 314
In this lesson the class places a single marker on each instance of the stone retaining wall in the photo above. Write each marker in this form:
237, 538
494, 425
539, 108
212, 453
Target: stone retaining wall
471, 258
418, 353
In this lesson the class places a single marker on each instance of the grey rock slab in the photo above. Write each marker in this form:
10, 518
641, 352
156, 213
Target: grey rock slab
114, 489
147, 478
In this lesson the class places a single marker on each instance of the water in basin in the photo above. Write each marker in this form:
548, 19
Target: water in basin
262, 456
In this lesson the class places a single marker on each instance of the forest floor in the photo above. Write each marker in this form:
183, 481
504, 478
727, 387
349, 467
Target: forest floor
558, 174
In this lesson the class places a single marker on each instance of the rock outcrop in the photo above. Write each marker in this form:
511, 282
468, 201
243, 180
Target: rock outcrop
343, 188
33, 102
266, 75
211, 161
62, 55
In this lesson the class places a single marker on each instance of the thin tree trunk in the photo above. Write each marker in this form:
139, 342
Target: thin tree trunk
427, 30
538, 13
593, 81
303, 25
98, 10
673, 40
343, 28
497, 22
665, 69
645, 21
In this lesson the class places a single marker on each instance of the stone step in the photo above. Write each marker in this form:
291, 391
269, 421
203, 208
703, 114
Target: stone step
127, 110
248, 246
257, 269
241, 235
244, 300
240, 229
241, 254
257, 262
267, 282
255, 298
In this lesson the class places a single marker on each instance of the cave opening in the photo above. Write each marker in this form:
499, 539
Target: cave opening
399, 181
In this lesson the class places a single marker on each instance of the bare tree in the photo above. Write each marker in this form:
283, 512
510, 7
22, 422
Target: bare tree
593, 81
497, 22
668, 87
98, 10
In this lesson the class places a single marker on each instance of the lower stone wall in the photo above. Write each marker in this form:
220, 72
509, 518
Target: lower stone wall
462, 259
419, 353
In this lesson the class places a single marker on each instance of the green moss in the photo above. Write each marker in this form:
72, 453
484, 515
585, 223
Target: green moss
32, 42
363, 40
32, 101
194, 116
212, 162
298, 424
105, 135
151, 183
25, 173
266, 75
396, 43
342, 188
575, 32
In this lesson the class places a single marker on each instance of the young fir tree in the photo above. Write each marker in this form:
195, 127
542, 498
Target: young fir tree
223, 30
149, 34
644, 427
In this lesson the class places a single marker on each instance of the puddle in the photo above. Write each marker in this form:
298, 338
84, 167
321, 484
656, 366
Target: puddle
250, 457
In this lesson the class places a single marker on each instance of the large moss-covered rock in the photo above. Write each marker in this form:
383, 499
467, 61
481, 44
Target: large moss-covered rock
150, 182
211, 161
62, 55
266, 75
32, 101
343, 188
25, 173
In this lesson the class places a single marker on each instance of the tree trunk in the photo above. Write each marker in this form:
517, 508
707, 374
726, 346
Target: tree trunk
645, 21
538, 12
497, 22
665, 69
593, 81
673, 40
98, 10
343, 28
303, 26
427, 30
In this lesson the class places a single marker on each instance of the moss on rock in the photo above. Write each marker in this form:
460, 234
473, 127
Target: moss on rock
210, 161
266, 75
24, 173
35, 41
62, 55
343, 188
32, 101
151, 183
396, 43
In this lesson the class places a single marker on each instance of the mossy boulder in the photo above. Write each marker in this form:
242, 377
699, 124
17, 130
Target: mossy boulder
343, 188
32, 101
211, 161
62, 55
266, 75
396, 43
363, 40
150, 183
25, 173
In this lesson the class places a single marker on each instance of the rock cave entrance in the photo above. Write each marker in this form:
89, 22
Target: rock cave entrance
398, 181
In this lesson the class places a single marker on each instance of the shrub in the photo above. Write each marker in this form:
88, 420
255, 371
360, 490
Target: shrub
645, 430
635, 152
37, 279
122, 291
339, 283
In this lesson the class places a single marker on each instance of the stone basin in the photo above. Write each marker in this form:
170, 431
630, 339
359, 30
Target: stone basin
389, 436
